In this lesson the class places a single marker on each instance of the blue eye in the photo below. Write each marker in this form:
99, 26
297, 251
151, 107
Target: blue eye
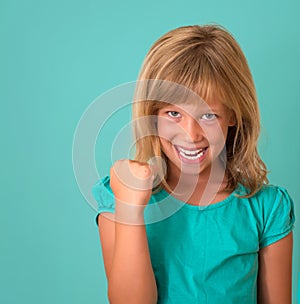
174, 114
208, 116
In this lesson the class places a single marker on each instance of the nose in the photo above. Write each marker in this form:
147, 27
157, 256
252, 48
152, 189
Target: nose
192, 129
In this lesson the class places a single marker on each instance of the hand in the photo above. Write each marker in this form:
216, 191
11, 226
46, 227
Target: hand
132, 182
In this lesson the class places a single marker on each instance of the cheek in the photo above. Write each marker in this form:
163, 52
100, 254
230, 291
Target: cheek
166, 130
165, 145
215, 135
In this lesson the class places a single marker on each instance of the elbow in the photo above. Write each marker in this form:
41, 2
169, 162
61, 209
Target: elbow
120, 295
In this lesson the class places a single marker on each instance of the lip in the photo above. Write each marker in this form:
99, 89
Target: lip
194, 148
191, 160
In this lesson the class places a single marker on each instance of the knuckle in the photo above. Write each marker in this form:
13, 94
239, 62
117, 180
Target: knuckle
145, 170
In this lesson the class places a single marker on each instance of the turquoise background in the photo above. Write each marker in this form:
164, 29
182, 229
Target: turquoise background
56, 58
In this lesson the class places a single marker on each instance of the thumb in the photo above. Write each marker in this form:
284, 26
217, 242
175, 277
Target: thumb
158, 168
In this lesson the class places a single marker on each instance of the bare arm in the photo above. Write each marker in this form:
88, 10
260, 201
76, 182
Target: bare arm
127, 263
275, 272
124, 240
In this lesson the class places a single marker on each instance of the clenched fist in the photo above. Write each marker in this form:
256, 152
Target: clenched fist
132, 182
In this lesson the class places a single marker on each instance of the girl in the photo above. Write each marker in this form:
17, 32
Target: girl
210, 229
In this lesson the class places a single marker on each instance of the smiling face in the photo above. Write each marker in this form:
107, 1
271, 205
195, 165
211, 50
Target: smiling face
192, 137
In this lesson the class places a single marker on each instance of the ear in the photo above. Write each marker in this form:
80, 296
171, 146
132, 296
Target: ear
232, 119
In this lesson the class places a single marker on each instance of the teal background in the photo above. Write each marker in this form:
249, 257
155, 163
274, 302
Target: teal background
56, 58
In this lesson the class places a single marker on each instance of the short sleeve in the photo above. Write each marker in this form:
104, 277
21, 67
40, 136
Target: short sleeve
104, 196
279, 217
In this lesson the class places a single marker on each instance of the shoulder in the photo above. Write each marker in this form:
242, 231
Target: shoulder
103, 195
276, 209
268, 195
275, 199
270, 199
102, 184
272, 191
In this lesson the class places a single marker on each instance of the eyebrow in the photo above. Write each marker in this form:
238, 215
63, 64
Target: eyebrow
203, 108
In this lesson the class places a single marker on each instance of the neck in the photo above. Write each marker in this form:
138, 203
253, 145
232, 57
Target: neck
203, 188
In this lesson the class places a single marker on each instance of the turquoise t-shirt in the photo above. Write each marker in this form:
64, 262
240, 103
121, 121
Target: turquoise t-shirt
209, 254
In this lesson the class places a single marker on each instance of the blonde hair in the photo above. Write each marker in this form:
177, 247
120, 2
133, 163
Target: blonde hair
207, 60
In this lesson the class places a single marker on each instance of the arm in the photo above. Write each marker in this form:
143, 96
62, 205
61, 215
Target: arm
274, 282
127, 262
124, 240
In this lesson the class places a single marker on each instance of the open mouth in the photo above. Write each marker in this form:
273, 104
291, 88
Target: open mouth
191, 155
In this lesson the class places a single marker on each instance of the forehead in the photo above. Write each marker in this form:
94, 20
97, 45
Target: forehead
196, 106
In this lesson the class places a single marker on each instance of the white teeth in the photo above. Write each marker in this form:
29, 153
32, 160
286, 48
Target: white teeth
191, 155
189, 152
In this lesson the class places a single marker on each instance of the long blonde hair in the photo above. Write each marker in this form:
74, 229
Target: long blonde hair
207, 59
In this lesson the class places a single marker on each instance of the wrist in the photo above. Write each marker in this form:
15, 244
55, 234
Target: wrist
129, 214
